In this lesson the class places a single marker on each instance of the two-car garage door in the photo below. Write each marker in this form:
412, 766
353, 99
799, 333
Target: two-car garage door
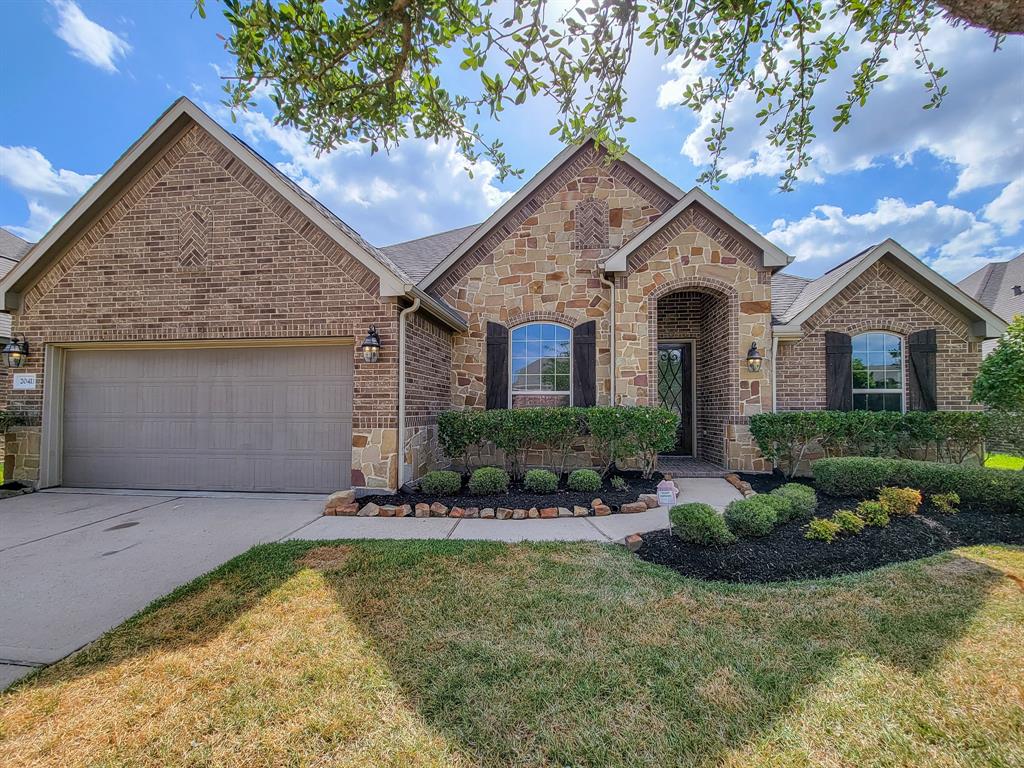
273, 418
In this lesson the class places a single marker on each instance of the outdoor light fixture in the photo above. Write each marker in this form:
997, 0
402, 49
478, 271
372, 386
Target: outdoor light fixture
15, 352
371, 345
754, 358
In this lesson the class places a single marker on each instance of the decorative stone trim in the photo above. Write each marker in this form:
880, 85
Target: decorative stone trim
345, 504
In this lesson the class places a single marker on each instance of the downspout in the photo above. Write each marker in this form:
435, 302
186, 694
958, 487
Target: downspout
611, 284
775, 376
401, 388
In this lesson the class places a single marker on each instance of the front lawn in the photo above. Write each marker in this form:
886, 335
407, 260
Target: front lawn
463, 654
1004, 461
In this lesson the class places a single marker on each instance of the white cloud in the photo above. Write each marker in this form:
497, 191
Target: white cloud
951, 239
48, 192
979, 128
88, 40
1007, 210
418, 189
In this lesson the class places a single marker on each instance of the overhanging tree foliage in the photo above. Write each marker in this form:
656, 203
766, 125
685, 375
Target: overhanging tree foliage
375, 70
1000, 382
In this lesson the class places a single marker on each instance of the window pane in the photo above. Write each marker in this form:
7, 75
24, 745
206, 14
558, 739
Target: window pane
860, 375
548, 331
893, 402
876, 401
860, 402
562, 383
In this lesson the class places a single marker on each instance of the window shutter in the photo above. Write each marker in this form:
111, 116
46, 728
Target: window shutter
838, 372
584, 364
497, 366
922, 370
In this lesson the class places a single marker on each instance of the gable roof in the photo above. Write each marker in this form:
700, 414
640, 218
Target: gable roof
819, 292
393, 281
417, 257
999, 286
773, 256
785, 290
510, 205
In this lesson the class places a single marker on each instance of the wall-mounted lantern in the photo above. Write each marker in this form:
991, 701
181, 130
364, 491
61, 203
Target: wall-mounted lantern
15, 353
754, 358
371, 346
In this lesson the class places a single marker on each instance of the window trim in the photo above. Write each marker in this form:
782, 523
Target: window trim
902, 391
512, 391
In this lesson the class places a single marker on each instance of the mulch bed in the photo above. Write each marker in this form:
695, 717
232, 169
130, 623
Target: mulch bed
784, 554
519, 498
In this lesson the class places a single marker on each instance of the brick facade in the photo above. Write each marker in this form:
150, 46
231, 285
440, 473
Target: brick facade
262, 270
428, 390
881, 299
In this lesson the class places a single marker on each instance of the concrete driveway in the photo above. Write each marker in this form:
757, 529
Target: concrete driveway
73, 564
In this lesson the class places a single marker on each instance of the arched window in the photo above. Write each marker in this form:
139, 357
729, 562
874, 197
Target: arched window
541, 362
877, 372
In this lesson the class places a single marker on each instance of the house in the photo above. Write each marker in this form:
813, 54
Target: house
12, 248
196, 321
1000, 287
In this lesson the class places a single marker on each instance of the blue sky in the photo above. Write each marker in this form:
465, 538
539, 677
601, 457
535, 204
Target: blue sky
80, 81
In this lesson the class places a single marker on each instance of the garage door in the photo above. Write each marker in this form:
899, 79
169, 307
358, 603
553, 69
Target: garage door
240, 419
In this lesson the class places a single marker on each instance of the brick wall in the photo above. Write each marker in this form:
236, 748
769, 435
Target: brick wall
428, 390
263, 271
882, 299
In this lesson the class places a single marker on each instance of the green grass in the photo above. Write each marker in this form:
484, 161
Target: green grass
477, 653
1004, 461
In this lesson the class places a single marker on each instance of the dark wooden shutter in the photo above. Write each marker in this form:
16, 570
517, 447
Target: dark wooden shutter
584, 364
922, 370
838, 372
497, 366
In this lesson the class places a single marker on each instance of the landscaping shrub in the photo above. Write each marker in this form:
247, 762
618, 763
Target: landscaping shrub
802, 500
848, 522
699, 524
751, 517
620, 432
822, 529
441, 482
874, 513
584, 480
619, 483
900, 501
858, 476
946, 502
488, 480
540, 481
786, 438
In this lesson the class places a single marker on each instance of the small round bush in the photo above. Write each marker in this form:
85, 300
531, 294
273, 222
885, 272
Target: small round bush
699, 524
873, 513
802, 500
900, 501
584, 480
487, 480
441, 482
540, 481
849, 522
751, 517
619, 483
822, 529
946, 503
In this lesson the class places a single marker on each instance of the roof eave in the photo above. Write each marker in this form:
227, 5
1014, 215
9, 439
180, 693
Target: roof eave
436, 309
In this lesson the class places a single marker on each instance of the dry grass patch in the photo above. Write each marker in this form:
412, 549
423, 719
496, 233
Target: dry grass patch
452, 653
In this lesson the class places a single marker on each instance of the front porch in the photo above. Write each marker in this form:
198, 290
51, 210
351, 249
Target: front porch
688, 466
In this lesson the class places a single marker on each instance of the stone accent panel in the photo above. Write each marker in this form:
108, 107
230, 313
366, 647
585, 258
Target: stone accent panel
21, 458
374, 458
881, 299
528, 268
269, 273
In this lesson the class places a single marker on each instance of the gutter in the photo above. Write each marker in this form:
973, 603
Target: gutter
438, 310
400, 442
611, 285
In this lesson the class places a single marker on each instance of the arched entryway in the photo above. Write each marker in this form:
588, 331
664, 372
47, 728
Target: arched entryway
693, 349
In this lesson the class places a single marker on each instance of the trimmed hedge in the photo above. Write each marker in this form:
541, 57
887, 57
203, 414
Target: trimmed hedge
998, 489
802, 501
822, 529
488, 480
441, 482
949, 436
620, 432
755, 516
540, 481
699, 524
584, 480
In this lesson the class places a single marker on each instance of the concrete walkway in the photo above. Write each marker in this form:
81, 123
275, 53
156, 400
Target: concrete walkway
709, 490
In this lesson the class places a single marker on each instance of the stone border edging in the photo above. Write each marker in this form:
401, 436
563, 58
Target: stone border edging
344, 504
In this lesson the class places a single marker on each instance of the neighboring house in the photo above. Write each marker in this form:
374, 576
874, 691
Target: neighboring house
1000, 287
12, 248
200, 316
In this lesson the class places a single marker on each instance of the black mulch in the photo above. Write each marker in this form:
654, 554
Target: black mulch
784, 554
518, 498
